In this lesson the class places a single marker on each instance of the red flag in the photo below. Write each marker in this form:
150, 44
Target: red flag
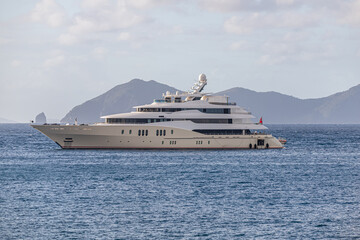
261, 122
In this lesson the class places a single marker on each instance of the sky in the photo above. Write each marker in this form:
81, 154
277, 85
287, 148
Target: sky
56, 54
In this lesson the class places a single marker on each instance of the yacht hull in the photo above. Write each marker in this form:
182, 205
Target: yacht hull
149, 137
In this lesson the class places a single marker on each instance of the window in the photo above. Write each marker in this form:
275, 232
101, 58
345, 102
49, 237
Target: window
260, 142
130, 131
160, 132
157, 132
146, 132
219, 132
139, 132
172, 131
122, 131
164, 132
143, 132
209, 120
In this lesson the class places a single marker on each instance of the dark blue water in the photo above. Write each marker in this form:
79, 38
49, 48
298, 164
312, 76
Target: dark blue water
311, 189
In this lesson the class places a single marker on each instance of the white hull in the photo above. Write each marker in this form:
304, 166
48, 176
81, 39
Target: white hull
127, 137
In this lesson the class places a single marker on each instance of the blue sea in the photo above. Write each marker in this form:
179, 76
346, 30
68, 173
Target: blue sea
309, 190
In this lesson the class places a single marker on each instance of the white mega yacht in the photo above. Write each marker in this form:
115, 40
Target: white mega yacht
189, 120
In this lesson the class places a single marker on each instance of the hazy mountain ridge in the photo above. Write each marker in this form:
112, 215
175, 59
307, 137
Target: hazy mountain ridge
274, 107
121, 98
4, 120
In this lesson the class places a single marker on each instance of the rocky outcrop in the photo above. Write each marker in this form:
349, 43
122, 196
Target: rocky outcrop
40, 118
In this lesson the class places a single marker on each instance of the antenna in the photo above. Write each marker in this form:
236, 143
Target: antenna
199, 86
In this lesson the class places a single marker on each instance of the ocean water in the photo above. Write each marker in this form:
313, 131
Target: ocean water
310, 189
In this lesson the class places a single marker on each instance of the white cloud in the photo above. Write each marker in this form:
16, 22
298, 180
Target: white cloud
99, 52
68, 39
277, 51
238, 25
272, 60
15, 63
284, 2
295, 36
49, 12
236, 5
351, 13
93, 4
4, 41
54, 61
124, 36
100, 17
240, 45
255, 21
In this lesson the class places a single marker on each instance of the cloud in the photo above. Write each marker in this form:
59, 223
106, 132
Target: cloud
148, 3
236, 5
15, 63
272, 60
257, 21
351, 13
124, 36
278, 51
4, 41
98, 17
54, 61
68, 39
285, 2
49, 12
99, 52
240, 45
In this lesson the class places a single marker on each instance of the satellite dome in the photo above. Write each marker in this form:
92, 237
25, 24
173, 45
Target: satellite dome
202, 78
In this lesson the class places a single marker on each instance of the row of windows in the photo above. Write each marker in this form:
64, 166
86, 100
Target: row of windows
143, 132
204, 110
214, 120
201, 142
161, 132
222, 131
152, 120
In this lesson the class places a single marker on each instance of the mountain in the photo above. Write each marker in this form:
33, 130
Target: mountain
279, 108
4, 120
274, 107
40, 118
119, 99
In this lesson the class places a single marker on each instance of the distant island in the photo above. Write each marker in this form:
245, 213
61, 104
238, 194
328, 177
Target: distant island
339, 108
4, 120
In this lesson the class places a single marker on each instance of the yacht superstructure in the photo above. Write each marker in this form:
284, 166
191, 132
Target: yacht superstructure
189, 120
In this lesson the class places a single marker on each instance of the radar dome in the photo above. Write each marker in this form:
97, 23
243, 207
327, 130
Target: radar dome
202, 78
